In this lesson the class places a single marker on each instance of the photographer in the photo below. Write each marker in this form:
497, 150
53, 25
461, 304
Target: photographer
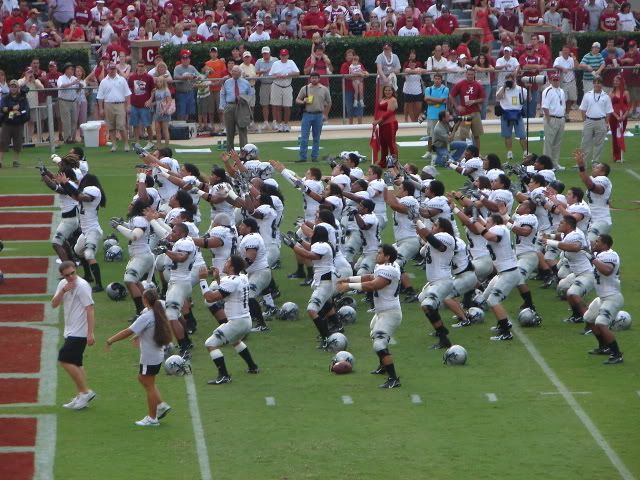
442, 140
512, 99
14, 113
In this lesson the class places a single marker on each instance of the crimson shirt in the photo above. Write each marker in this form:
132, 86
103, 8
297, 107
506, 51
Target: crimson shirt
314, 19
472, 90
632, 75
82, 16
609, 20
446, 25
531, 16
141, 87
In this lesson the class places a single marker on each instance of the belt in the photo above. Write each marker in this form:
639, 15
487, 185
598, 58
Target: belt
596, 119
114, 103
312, 113
70, 213
557, 116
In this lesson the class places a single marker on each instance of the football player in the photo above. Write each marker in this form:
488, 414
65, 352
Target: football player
385, 283
233, 290
599, 190
367, 222
376, 189
471, 165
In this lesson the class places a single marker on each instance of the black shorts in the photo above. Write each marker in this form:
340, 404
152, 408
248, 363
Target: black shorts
150, 370
72, 350
409, 97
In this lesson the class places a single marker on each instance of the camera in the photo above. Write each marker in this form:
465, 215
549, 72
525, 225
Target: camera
465, 118
139, 150
508, 84
421, 118
534, 79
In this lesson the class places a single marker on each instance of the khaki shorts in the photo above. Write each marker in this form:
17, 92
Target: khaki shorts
570, 91
207, 105
115, 115
281, 96
265, 94
475, 126
231, 332
430, 125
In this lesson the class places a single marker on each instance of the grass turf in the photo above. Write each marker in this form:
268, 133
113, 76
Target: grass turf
455, 432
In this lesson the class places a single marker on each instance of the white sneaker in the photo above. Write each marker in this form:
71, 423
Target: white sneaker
509, 155
162, 410
362, 103
148, 422
560, 168
114, 148
286, 127
275, 125
126, 147
426, 155
356, 104
83, 400
71, 405
265, 126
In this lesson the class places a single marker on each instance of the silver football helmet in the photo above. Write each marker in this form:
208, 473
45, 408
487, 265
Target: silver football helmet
529, 318
347, 315
336, 342
113, 254
343, 356
621, 322
249, 152
176, 365
116, 291
289, 311
455, 355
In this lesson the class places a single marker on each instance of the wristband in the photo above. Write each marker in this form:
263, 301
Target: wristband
355, 286
581, 169
232, 195
201, 193
203, 286
142, 177
553, 243
420, 224
484, 231
456, 210
355, 279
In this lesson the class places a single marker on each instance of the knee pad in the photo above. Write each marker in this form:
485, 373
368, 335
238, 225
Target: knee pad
90, 251
497, 297
382, 353
380, 342
131, 275
216, 340
173, 310
431, 302
58, 239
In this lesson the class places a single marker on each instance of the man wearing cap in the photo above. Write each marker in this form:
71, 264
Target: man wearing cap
283, 71
99, 12
113, 104
506, 65
34, 19
184, 74
259, 35
141, 85
235, 98
320, 63
263, 67
592, 64
357, 25
14, 113
631, 75
595, 108
566, 64
554, 105
314, 21
68, 91
216, 71
442, 140
316, 100
467, 95
530, 64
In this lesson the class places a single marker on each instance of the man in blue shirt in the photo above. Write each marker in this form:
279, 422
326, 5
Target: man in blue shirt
435, 98
236, 109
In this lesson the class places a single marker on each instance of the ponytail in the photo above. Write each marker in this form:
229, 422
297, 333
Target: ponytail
162, 331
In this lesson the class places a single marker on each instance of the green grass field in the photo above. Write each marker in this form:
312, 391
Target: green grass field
453, 432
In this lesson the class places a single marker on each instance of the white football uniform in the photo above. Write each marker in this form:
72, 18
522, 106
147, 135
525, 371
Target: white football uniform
69, 222
387, 298
258, 272
376, 193
581, 279
464, 276
166, 189
502, 196
604, 308
543, 215
91, 235
481, 260
437, 263
179, 289
323, 276
267, 225
235, 289
310, 205
599, 205
526, 246
583, 209
506, 264
352, 240
404, 224
473, 167
370, 242
229, 239
222, 207
140, 256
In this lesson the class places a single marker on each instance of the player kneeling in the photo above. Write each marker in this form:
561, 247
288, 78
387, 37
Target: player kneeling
233, 290
385, 282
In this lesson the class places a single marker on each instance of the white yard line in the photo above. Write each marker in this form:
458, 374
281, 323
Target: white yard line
574, 405
198, 430
19, 375
491, 397
633, 173
416, 399
29, 225
270, 401
46, 447
48, 366
24, 275
558, 393
55, 220
53, 278
347, 400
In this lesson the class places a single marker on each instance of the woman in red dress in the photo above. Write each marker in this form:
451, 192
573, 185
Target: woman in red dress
621, 102
385, 125
481, 20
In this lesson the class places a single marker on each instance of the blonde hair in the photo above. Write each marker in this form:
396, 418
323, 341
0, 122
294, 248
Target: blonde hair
82, 72
161, 83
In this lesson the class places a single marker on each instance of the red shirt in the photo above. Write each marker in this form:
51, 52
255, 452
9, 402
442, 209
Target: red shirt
114, 52
321, 67
52, 82
317, 19
10, 21
570, 5
446, 25
141, 87
82, 16
609, 21
220, 18
76, 36
278, 35
119, 26
468, 91
631, 75
531, 60
196, 39
462, 48
543, 52
428, 31
531, 16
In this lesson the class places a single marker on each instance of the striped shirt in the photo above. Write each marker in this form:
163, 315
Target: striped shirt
594, 61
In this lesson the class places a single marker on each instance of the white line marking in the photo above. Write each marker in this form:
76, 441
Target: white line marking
48, 366
270, 401
575, 406
17, 449
29, 225
198, 430
55, 221
52, 275
415, 398
46, 447
25, 275
19, 375
558, 393
633, 173
492, 397
16, 405
347, 400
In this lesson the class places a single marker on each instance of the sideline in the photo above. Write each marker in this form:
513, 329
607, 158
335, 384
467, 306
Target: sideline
633, 173
198, 430
574, 405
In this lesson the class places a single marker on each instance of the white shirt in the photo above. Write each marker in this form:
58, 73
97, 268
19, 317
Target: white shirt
350, 208
181, 271
204, 30
229, 239
267, 224
578, 261
608, 284
181, 40
582, 209
510, 66
626, 22
404, 224
434, 64
568, 63
311, 205
500, 5
106, 34
526, 243
596, 105
437, 263
140, 246
15, 46
502, 196
280, 68
113, 90
66, 202
432, 11
376, 193
166, 189
89, 210
324, 265
477, 244
371, 236
259, 37
599, 202
332, 13
69, 94
236, 303
250, 242
501, 252
387, 298
145, 327
75, 303
408, 32
555, 100
543, 216
162, 38
514, 98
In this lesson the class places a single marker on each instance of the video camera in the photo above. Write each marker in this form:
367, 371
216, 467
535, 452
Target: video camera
462, 118
529, 80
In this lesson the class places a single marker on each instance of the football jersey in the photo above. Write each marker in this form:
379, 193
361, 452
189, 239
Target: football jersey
172, 215
166, 189
526, 243
140, 246
67, 203
543, 215
357, 173
338, 206
324, 264
599, 202
608, 284
404, 224
371, 236
502, 196
250, 242
194, 233
343, 180
193, 181
351, 208
578, 261
376, 190
89, 210
311, 206
236, 301
153, 195
387, 298
461, 257
229, 239
334, 238
441, 203
181, 271
278, 206
477, 244
501, 252
268, 224
557, 217
437, 263
583, 209
548, 175
222, 207
474, 164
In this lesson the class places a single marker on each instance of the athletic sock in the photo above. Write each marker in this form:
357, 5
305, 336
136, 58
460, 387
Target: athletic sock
139, 305
191, 320
309, 272
391, 370
321, 325
576, 311
268, 299
503, 325
467, 300
87, 269
222, 367
601, 343
615, 350
246, 356
184, 343
554, 269
442, 333
256, 311
95, 270
528, 301
300, 270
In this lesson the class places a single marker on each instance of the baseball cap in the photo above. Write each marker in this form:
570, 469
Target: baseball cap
595, 44
131, 8
246, 54
429, 170
44, 35
633, 43
14, 82
185, 53
462, 55
208, 13
284, 51
357, 12
52, 63
259, 22
265, 50
508, 49
213, 49
168, 5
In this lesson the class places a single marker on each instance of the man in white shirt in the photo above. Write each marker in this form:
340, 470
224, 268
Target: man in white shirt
506, 65
566, 63
204, 29
435, 10
113, 103
67, 93
281, 91
595, 108
409, 30
554, 106
79, 320
512, 97
178, 37
162, 36
259, 35
18, 43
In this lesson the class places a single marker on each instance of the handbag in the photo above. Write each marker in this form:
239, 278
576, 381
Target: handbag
497, 109
167, 106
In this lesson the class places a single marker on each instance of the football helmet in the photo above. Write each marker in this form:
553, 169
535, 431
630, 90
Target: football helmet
249, 152
529, 318
289, 311
343, 356
346, 301
265, 171
475, 315
111, 241
455, 355
116, 291
336, 342
113, 254
347, 315
176, 365
621, 322
149, 285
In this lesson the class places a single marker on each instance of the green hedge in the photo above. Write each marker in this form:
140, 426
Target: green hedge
15, 62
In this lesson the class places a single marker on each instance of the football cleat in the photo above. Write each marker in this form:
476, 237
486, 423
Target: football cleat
271, 311
391, 383
381, 370
260, 328
461, 323
253, 370
613, 359
573, 319
502, 337
295, 275
600, 351
148, 422
221, 380
496, 328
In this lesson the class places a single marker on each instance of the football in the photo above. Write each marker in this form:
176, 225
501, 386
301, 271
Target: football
343, 367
